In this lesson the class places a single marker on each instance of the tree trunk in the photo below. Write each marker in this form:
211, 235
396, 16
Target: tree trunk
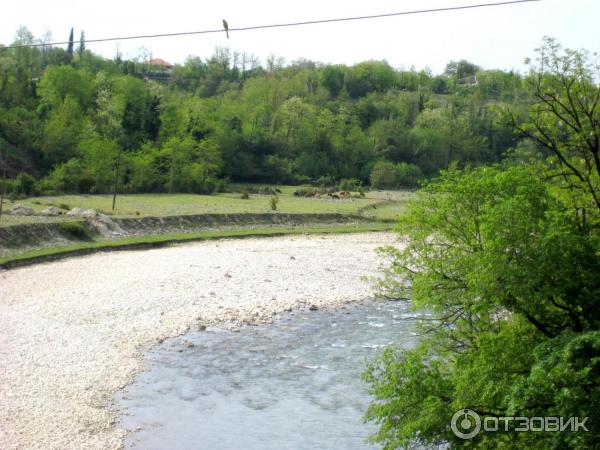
116, 185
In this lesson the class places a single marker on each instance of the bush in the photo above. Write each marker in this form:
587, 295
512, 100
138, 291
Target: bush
24, 184
408, 175
69, 177
7, 186
74, 230
351, 184
306, 192
325, 181
244, 195
383, 175
221, 185
260, 190
274, 201
387, 175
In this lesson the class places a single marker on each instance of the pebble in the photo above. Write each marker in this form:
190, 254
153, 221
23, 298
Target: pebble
74, 332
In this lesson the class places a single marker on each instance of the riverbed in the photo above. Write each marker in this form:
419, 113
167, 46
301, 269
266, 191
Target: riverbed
295, 383
74, 332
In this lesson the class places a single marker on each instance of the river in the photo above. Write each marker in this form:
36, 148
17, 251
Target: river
295, 383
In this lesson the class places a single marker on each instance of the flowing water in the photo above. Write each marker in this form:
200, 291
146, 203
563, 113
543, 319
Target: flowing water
292, 384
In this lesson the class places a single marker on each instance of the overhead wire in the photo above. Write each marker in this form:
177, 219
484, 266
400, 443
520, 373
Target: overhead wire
281, 25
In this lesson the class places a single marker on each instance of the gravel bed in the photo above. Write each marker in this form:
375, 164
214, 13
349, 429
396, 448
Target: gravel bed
73, 332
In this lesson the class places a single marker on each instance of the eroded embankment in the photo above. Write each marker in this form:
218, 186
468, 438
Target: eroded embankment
40, 235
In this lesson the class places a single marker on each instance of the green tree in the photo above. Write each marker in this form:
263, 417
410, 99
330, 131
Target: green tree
332, 77
564, 119
461, 69
507, 261
369, 76
61, 81
81, 48
63, 131
70, 45
501, 263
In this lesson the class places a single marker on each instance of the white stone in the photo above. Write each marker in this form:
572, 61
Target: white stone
51, 211
73, 332
20, 210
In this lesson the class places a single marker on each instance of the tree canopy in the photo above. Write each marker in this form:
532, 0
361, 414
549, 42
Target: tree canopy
294, 123
505, 259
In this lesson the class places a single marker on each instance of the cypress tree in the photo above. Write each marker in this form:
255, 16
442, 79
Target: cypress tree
81, 48
70, 46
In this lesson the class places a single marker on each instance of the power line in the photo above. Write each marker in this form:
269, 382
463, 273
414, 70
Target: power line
282, 25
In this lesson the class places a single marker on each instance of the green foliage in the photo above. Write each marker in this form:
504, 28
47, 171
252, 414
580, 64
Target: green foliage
273, 202
74, 231
461, 69
69, 177
387, 175
369, 76
306, 192
24, 184
291, 124
563, 119
501, 262
383, 175
408, 175
60, 82
351, 184
332, 77
261, 190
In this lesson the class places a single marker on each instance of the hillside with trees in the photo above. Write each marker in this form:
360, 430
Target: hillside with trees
71, 121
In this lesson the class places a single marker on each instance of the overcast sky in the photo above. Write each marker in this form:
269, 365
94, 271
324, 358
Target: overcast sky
495, 37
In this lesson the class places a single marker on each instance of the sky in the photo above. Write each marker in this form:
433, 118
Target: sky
495, 38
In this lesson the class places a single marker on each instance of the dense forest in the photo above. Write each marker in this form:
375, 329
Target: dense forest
71, 121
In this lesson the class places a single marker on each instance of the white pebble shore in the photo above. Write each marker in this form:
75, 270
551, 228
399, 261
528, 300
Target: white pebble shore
73, 332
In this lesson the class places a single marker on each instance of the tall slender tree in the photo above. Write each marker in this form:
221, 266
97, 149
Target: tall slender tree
3, 187
81, 48
70, 45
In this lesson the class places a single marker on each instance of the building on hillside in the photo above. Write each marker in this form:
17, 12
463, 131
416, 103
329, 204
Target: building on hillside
159, 69
469, 81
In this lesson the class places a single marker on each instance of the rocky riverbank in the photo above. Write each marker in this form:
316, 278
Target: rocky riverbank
72, 332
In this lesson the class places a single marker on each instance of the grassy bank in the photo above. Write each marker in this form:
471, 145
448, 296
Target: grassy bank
376, 204
144, 242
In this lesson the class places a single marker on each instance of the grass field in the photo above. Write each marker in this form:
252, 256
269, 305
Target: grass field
382, 205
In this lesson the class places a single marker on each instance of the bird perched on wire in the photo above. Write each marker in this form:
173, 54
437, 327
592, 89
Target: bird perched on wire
226, 26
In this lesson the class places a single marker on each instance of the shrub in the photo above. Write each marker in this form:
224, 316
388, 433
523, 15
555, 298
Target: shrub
383, 175
408, 175
387, 175
69, 177
244, 195
7, 186
325, 181
222, 185
305, 192
24, 184
351, 184
74, 230
261, 190
274, 201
